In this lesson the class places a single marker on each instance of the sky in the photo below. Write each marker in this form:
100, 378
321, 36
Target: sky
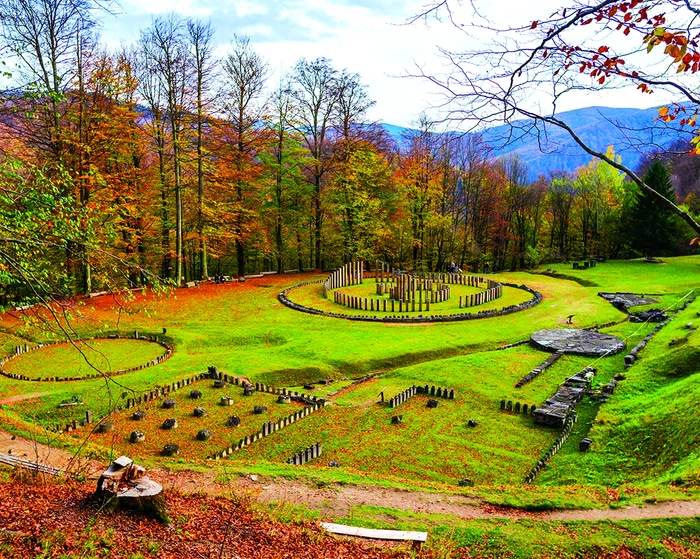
369, 37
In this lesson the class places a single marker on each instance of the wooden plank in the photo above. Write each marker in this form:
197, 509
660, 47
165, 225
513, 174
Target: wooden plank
15, 462
343, 530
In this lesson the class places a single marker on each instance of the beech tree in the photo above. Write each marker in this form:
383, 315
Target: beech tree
167, 54
200, 35
584, 45
314, 88
245, 75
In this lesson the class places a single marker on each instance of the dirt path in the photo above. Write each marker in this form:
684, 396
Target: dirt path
44, 454
21, 397
336, 501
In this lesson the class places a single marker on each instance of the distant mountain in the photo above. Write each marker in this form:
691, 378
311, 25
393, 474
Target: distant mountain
632, 132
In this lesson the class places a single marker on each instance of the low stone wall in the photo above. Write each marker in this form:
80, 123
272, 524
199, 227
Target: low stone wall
539, 369
552, 450
306, 455
21, 350
536, 299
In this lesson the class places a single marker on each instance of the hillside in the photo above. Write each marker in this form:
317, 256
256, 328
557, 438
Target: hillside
632, 132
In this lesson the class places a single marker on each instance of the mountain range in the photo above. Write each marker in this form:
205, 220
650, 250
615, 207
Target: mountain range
632, 133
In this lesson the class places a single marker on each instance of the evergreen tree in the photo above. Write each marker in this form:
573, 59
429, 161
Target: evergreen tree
653, 227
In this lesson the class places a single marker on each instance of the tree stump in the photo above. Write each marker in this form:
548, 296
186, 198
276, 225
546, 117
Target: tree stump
199, 412
124, 485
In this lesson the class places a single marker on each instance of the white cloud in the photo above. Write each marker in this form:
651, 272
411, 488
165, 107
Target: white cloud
365, 36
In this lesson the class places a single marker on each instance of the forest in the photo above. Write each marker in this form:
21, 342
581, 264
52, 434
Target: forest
166, 161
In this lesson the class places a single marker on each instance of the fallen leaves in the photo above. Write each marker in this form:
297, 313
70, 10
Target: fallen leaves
62, 521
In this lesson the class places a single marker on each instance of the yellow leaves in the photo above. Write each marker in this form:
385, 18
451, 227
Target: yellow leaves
663, 111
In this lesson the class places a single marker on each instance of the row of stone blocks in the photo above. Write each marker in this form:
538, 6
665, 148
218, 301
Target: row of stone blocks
633, 355
487, 296
164, 390
539, 369
556, 447
22, 349
584, 265
306, 455
215, 374
427, 390
267, 429
381, 305
517, 407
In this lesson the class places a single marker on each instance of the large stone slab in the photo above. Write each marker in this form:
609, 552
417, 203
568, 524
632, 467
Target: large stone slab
577, 342
626, 300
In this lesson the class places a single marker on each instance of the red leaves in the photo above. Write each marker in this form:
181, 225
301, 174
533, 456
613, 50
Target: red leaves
603, 49
534, 25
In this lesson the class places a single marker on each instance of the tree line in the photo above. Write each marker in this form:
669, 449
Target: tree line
165, 161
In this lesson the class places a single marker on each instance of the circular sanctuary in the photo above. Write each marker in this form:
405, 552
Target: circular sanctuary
577, 342
85, 359
410, 297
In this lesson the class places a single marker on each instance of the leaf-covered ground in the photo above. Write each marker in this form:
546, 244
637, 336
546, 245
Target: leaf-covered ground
61, 521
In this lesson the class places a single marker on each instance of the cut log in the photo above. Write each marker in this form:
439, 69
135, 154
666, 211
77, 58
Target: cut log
124, 485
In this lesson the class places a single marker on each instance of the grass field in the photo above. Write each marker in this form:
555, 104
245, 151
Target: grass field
646, 438
84, 358
312, 296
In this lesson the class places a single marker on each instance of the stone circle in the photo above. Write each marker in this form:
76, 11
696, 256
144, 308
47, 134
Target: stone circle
233, 421
169, 404
577, 342
199, 412
138, 415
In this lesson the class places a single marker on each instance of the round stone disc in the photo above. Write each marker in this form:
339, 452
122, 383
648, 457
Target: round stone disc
577, 342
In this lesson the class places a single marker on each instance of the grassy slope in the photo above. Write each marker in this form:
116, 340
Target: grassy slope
529, 538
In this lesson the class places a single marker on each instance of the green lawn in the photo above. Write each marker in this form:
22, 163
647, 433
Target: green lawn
645, 437
84, 358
